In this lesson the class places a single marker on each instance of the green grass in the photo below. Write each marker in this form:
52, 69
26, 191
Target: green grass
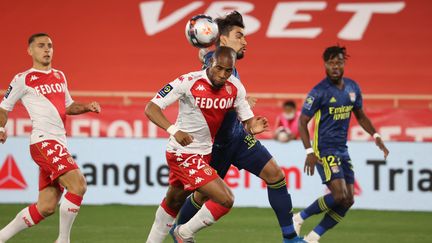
118, 223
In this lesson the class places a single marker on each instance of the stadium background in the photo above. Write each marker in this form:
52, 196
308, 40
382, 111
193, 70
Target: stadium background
122, 52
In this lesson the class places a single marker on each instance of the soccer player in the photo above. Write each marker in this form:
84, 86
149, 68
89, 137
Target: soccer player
204, 99
331, 102
44, 93
233, 145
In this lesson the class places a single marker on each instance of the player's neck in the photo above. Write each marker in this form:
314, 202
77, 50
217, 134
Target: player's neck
338, 83
41, 67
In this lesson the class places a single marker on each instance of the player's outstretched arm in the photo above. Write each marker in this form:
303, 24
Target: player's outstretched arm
311, 158
366, 124
256, 125
3, 120
155, 114
78, 108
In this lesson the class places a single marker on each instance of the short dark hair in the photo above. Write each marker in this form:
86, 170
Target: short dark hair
289, 103
227, 23
34, 36
224, 51
333, 51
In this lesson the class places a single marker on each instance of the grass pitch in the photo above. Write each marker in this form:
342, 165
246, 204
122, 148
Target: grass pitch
119, 223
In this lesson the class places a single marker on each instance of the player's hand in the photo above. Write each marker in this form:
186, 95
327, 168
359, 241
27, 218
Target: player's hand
252, 101
183, 138
94, 107
258, 124
3, 137
311, 160
379, 142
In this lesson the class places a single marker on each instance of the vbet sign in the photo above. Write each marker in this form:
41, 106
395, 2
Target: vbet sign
133, 171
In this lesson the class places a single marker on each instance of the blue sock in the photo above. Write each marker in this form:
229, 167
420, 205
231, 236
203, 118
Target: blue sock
188, 210
322, 204
331, 218
280, 201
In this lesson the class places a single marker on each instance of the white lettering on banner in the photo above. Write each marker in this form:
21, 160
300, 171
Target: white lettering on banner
286, 13
357, 25
388, 131
217, 9
208, 103
419, 133
151, 10
79, 124
124, 126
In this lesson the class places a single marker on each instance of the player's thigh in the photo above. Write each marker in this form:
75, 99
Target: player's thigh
199, 197
73, 181
48, 199
217, 191
271, 173
338, 189
252, 156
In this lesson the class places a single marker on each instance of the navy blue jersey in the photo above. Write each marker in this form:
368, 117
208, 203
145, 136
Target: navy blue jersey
231, 126
332, 109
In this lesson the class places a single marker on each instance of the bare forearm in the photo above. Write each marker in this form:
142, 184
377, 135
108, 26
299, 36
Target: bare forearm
366, 124
304, 134
154, 113
3, 117
77, 108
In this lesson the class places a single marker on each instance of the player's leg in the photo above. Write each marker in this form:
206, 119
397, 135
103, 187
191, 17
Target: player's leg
220, 203
33, 214
278, 196
167, 212
220, 161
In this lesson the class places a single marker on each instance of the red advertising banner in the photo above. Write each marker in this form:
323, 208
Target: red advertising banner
139, 45
130, 122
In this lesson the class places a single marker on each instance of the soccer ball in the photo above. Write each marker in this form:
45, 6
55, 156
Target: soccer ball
201, 31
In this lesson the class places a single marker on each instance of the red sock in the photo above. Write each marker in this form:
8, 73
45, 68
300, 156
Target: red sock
216, 209
169, 210
34, 214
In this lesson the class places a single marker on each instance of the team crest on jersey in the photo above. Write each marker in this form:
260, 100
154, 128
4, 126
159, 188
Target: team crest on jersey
57, 75
8, 92
208, 171
228, 89
309, 102
335, 169
352, 96
165, 90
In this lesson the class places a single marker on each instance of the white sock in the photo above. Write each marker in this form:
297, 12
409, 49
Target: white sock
312, 236
298, 218
161, 226
202, 219
68, 212
22, 221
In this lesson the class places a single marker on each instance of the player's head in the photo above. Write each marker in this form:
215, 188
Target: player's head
334, 61
222, 65
40, 47
231, 30
289, 108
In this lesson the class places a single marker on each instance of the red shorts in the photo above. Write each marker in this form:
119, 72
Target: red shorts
190, 170
53, 160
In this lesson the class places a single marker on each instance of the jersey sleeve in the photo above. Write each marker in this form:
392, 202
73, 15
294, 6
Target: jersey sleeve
68, 98
170, 93
358, 104
241, 105
14, 93
312, 103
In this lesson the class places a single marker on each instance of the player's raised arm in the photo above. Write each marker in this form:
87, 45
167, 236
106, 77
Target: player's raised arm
165, 97
3, 120
367, 125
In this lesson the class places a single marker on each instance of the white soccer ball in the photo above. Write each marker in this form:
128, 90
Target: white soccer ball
201, 31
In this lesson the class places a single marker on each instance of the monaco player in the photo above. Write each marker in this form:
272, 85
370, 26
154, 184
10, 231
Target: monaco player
204, 99
43, 91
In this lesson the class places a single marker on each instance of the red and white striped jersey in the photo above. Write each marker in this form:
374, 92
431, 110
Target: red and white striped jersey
202, 108
45, 96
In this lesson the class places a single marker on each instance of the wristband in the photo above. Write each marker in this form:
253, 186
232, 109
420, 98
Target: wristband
309, 151
376, 135
2, 129
172, 130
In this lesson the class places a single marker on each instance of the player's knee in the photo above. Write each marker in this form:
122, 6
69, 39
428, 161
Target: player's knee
272, 173
340, 198
349, 202
79, 188
174, 203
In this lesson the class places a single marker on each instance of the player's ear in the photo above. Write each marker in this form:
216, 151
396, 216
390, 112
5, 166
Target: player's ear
223, 40
29, 50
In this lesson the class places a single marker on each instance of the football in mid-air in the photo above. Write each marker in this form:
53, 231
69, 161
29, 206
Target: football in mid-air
201, 31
